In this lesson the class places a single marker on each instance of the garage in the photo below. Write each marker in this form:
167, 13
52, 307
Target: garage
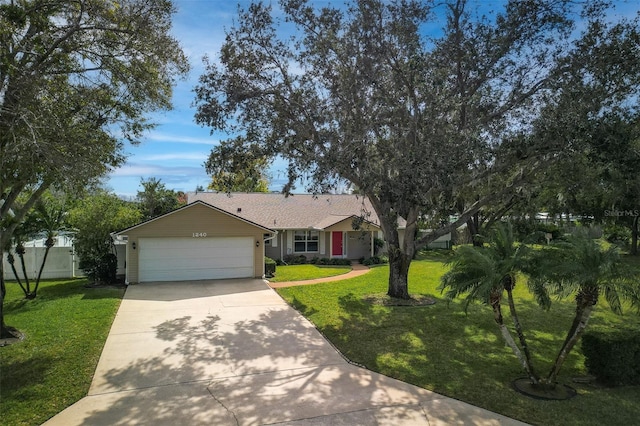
195, 242
171, 259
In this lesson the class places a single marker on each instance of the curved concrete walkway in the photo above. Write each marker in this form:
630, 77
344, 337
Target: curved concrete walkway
357, 269
234, 353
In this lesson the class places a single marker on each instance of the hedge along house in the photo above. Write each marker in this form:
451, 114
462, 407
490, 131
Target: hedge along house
327, 225
196, 242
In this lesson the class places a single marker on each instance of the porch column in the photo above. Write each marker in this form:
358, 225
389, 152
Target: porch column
372, 245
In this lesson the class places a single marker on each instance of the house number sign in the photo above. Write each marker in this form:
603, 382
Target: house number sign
199, 234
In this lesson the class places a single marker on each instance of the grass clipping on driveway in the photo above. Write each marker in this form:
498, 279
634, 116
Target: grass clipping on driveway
440, 348
64, 329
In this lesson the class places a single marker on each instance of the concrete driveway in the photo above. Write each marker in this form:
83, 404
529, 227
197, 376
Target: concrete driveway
234, 353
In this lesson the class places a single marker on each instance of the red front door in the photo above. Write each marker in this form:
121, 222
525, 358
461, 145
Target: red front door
336, 243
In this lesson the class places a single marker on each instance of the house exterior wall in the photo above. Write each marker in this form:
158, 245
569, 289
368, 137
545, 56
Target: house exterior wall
197, 221
358, 244
443, 242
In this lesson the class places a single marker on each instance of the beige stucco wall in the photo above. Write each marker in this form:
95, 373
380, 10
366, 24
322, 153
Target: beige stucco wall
185, 223
357, 244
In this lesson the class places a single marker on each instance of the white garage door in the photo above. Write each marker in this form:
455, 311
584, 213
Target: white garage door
178, 259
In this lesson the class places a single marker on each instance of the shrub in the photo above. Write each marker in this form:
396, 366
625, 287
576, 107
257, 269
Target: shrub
618, 235
613, 357
378, 244
375, 260
292, 259
269, 267
100, 268
326, 261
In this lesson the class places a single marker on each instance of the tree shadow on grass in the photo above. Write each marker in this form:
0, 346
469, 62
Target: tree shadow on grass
19, 377
464, 356
59, 289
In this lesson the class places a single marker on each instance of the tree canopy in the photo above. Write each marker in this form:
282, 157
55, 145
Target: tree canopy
420, 120
93, 219
77, 78
231, 172
155, 199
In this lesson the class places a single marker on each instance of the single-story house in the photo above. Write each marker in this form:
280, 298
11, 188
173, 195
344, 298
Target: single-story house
195, 242
219, 235
328, 225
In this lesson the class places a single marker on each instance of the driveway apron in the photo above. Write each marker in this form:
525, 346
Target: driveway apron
232, 352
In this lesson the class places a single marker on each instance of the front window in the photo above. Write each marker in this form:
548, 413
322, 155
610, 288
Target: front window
305, 241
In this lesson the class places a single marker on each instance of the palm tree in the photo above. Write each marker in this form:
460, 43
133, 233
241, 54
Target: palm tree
485, 274
50, 219
17, 239
581, 267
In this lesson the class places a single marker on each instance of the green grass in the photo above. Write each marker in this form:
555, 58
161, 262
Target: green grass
65, 328
287, 273
440, 348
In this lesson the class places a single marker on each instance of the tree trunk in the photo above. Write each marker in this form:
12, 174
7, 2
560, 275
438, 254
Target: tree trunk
399, 264
473, 228
570, 343
527, 361
4, 332
496, 298
12, 262
400, 256
586, 299
634, 236
21, 251
48, 244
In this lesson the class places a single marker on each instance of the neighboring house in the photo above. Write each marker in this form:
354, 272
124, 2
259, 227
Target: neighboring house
328, 225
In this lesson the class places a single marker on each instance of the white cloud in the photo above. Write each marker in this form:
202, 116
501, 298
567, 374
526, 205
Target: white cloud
196, 156
164, 137
142, 170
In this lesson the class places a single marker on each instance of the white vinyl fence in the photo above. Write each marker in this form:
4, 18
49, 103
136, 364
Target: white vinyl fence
61, 262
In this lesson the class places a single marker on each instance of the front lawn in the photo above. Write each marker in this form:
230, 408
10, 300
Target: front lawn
287, 273
65, 328
440, 348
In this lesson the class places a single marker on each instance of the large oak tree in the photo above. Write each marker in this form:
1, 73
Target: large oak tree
76, 80
409, 101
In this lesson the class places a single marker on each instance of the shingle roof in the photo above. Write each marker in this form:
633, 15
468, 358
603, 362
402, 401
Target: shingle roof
298, 211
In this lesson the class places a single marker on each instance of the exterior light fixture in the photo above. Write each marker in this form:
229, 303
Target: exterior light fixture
257, 243
133, 245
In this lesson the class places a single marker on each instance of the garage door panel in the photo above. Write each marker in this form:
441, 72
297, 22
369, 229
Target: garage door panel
201, 263
170, 259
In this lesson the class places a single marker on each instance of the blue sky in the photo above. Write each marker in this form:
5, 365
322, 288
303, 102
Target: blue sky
177, 148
